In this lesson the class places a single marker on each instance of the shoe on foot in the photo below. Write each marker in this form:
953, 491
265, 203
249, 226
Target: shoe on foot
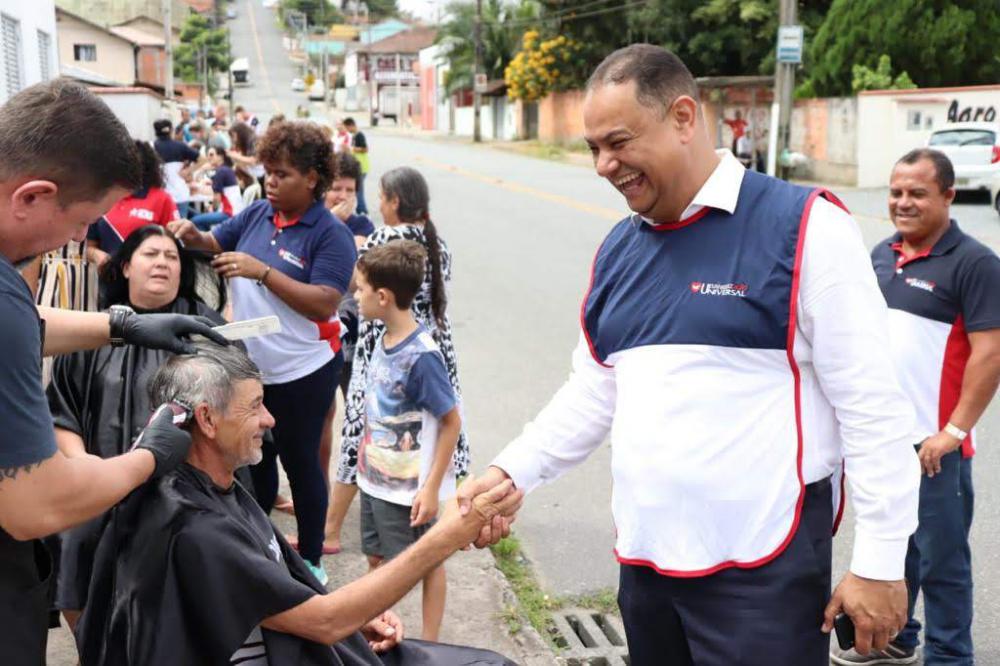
892, 654
319, 572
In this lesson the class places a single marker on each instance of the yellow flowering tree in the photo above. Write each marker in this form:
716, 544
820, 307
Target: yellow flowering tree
543, 66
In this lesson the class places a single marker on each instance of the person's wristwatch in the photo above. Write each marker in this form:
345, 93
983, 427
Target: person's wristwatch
119, 314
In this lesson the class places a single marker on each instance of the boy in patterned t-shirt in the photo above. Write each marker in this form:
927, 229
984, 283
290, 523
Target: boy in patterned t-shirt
412, 420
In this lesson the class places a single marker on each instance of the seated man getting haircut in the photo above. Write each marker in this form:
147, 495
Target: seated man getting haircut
190, 570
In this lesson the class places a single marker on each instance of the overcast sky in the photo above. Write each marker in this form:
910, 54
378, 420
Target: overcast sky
424, 9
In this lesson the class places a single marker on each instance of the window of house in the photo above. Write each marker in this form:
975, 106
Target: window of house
44, 49
85, 52
913, 120
10, 36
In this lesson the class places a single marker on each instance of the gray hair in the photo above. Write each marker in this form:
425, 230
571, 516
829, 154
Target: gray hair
206, 376
660, 76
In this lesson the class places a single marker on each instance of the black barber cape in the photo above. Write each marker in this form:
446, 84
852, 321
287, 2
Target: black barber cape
183, 573
101, 395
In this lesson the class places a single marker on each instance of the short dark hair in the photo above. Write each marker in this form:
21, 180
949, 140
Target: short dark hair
152, 167
62, 132
348, 166
163, 127
302, 145
114, 284
349, 122
660, 76
944, 172
398, 267
238, 109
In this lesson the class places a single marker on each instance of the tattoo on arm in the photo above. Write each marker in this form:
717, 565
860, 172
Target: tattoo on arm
12, 472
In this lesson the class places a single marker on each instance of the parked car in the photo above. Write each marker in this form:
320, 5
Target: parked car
974, 151
317, 91
298, 85
231, 13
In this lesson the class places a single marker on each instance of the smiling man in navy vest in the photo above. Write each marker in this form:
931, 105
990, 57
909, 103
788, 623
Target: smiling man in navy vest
733, 345
944, 330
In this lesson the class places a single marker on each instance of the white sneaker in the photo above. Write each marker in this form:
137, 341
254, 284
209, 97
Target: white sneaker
890, 656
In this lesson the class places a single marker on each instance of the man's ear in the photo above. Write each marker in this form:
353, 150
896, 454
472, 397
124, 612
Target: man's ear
384, 296
683, 115
33, 195
206, 420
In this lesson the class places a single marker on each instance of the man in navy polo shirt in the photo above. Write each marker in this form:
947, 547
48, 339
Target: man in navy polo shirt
944, 330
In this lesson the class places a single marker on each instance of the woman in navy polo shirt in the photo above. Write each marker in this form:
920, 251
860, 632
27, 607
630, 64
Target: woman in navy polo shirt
287, 256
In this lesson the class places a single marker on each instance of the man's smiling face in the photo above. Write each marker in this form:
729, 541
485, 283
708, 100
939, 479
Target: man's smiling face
635, 146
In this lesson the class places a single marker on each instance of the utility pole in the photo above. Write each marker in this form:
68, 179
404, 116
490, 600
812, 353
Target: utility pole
399, 90
477, 134
168, 50
784, 86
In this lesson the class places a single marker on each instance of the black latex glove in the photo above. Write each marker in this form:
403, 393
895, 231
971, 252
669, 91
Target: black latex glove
168, 331
164, 439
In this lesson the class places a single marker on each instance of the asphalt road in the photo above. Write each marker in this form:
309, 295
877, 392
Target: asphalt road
523, 232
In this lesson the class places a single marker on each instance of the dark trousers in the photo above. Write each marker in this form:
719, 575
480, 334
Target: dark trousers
768, 615
939, 564
299, 408
362, 208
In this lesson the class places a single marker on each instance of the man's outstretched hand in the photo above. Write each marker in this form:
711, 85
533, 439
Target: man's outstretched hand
498, 526
168, 331
465, 525
877, 608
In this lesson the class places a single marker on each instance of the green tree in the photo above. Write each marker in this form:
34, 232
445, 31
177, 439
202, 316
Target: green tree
201, 46
503, 26
880, 78
937, 42
318, 12
382, 9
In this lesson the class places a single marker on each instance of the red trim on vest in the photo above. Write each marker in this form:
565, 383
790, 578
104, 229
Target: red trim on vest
956, 355
583, 310
843, 500
670, 226
790, 350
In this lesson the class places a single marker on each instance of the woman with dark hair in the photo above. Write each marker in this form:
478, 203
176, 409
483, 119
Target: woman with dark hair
287, 256
243, 152
98, 398
177, 157
150, 204
405, 208
227, 199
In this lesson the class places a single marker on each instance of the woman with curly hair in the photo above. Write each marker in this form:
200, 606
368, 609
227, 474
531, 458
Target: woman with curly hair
286, 256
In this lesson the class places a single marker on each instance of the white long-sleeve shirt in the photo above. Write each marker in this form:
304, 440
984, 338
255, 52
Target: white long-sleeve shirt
852, 409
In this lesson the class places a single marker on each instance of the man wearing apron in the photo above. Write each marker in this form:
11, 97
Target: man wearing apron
64, 160
733, 346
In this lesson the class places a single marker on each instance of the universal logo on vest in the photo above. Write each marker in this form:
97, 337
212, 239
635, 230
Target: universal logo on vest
720, 289
926, 285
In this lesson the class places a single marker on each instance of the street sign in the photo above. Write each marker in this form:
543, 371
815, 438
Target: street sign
790, 40
479, 85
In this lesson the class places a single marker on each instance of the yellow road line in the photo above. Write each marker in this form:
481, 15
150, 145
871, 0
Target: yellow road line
599, 211
260, 57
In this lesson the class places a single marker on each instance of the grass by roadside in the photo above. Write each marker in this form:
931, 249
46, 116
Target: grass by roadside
575, 152
535, 606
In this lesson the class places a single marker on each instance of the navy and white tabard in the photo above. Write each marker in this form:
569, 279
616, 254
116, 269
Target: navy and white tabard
734, 357
317, 249
936, 298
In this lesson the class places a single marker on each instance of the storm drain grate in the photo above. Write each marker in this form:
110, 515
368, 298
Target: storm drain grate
589, 638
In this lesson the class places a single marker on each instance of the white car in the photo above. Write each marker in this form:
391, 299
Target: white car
974, 151
317, 91
298, 85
